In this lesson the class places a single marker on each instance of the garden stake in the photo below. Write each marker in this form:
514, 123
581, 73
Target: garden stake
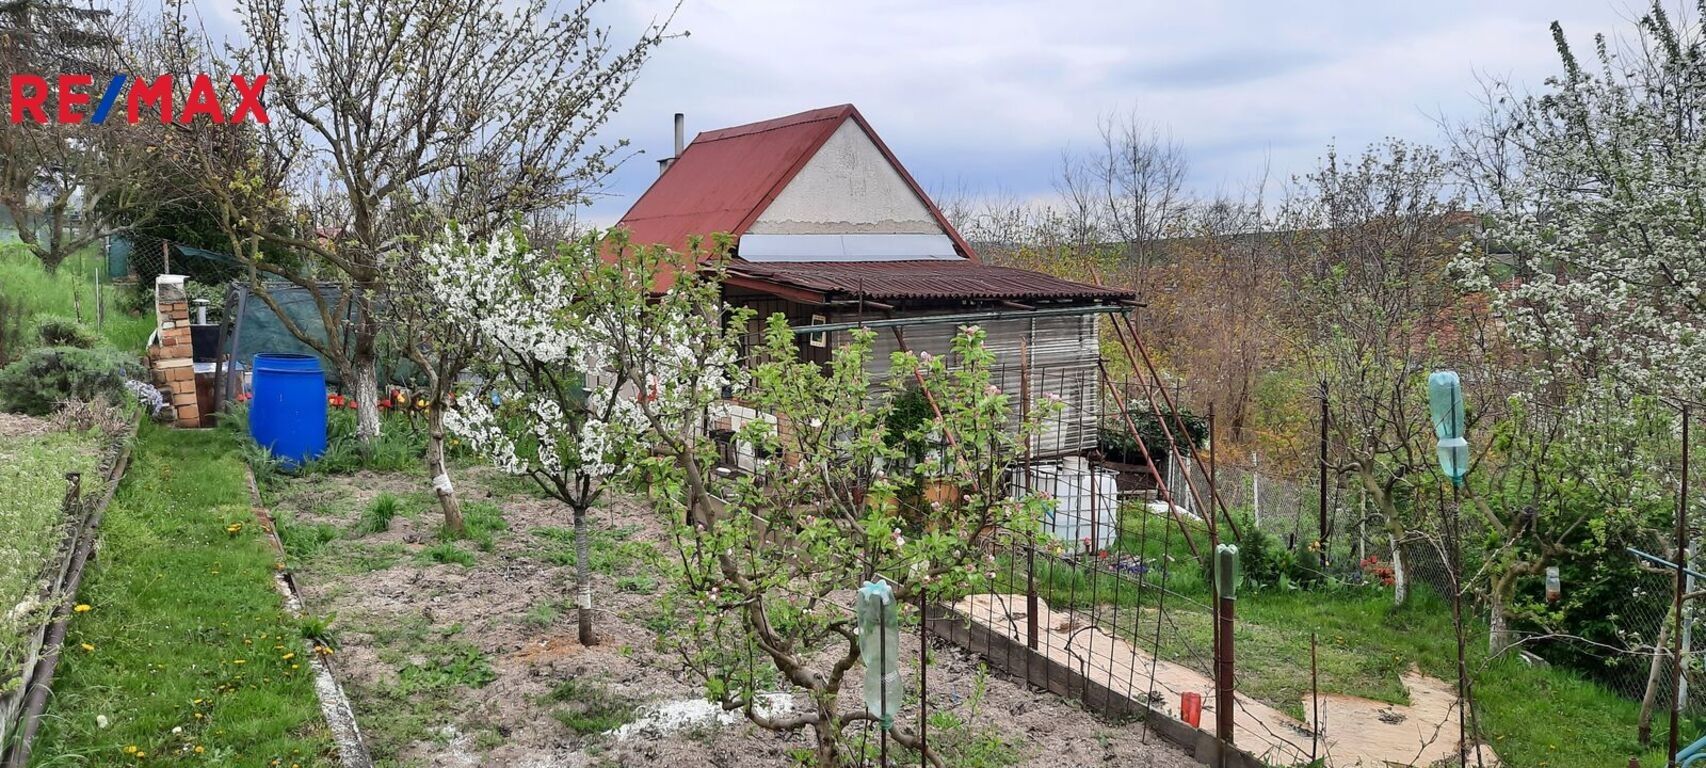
1163, 491
883, 686
1155, 409
1030, 485
1314, 701
1215, 505
923, 685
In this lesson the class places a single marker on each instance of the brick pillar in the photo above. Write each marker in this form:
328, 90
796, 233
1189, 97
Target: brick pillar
170, 357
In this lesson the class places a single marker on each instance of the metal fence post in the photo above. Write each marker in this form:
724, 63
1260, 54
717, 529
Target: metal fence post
1225, 681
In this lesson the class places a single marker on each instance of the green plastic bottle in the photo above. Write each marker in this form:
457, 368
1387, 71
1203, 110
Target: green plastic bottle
879, 648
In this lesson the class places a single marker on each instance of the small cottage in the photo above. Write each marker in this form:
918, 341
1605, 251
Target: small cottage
831, 231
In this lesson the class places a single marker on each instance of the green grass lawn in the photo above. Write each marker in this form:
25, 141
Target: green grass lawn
186, 654
32, 490
23, 280
1544, 717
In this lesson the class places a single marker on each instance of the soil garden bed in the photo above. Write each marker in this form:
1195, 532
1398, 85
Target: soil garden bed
463, 653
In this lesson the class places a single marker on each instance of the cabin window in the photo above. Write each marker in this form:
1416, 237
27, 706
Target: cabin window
819, 340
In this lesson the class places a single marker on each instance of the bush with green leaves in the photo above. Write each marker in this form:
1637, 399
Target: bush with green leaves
1117, 442
60, 331
36, 383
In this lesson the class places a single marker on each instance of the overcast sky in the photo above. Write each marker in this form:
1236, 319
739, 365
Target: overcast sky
984, 95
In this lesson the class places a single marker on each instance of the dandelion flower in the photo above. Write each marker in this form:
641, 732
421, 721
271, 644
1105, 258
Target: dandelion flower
83, 608
88, 647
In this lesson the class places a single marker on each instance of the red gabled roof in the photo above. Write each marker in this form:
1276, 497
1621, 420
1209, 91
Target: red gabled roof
724, 179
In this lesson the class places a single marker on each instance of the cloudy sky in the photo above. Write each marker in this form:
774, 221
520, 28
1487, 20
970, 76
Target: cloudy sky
982, 96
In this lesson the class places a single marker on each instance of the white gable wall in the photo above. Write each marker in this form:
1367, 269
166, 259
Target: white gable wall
847, 187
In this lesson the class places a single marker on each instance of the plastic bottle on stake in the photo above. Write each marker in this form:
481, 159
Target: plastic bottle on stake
879, 648
1445, 404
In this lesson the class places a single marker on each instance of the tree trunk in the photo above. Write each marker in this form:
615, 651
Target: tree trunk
441, 485
1400, 580
583, 577
50, 261
1499, 597
1498, 623
828, 750
1655, 674
50, 258
366, 374
365, 363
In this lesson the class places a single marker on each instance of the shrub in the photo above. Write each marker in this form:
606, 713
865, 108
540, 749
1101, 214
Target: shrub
137, 299
59, 331
11, 329
1117, 443
1262, 560
212, 293
38, 382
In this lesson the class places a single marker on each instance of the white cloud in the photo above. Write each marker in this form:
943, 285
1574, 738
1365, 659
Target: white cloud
986, 93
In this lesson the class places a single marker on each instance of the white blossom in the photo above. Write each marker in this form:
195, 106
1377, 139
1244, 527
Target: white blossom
1593, 248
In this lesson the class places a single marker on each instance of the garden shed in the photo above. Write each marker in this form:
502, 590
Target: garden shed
830, 230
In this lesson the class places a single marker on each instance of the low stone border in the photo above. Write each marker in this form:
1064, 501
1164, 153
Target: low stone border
334, 704
21, 708
1020, 662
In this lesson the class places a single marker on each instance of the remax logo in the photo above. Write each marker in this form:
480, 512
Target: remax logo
75, 95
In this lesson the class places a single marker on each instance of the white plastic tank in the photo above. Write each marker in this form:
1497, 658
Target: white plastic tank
1085, 506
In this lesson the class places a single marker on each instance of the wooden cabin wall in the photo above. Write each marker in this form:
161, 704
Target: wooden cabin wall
763, 307
1064, 356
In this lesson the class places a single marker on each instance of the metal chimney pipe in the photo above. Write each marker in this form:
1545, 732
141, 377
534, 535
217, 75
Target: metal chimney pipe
680, 143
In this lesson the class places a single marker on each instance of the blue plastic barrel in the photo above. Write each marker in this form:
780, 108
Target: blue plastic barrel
288, 412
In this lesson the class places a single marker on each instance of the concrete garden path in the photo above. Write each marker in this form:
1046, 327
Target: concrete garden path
1357, 732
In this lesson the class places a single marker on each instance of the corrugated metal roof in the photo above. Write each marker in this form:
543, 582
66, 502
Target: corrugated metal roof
724, 179
724, 175
921, 280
